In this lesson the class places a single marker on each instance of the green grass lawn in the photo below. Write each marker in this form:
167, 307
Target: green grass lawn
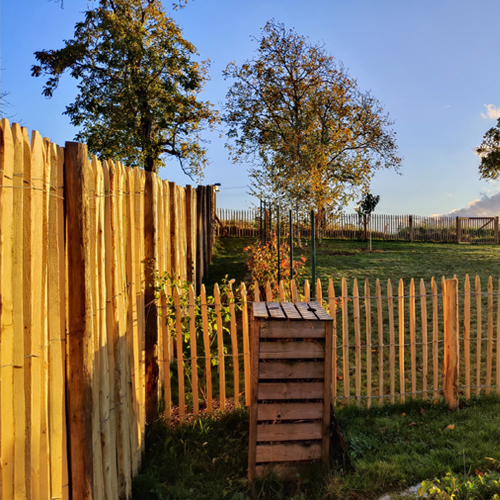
391, 448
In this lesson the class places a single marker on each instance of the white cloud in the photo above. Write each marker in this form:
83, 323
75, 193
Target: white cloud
493, 112
485, 206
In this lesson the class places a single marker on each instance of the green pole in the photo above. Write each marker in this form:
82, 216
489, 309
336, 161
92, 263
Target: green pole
265, 226
278, 229
260, 222
313, 248
291, 245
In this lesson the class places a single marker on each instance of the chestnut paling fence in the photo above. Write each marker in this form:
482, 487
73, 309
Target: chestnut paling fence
465, 230
389, 342
77, 237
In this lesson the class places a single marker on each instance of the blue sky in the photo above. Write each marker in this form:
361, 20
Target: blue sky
434, 64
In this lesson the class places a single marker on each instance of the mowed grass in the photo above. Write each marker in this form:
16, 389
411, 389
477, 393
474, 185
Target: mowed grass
337, 259
391, 448
392, 260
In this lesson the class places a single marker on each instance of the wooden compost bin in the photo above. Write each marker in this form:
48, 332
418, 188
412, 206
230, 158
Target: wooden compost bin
290, 389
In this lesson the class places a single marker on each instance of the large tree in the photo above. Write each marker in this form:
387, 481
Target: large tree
489, 153
311, 136
138, 85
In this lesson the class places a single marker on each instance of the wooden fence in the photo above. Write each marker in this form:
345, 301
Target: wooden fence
74, 240
352, 227
388, 342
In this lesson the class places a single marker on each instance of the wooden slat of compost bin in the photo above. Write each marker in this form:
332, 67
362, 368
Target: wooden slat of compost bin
290, 411
289, 432
283, 471
260, 310
306, 314
289, 350
284, 370
290, 311
275, 310
288, 452
292, 330
319, 311
290, 390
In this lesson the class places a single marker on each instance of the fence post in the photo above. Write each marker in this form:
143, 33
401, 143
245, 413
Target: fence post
80, 347
152, 368
459, 236
451, 343
410, 223
496, 230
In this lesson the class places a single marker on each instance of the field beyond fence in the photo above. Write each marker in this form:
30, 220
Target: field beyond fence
465, 230
388, 343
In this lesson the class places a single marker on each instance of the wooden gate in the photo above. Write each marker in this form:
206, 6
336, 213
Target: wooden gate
290, 390
477, 230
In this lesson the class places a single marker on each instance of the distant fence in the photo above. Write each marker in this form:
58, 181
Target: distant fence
389, 342
76, 239
352, 227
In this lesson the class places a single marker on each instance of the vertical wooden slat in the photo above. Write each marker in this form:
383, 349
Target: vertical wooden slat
234, 347
179, 353
269, 292
256, 293
96, 380
392, 340
37, 320
357, 339
252, 438
479, 339
319, 292
110, 325
333, 313
220, 348
122, 392
7, 440
435, 333
380, 324
194, 351
401, 316
368, 316
489, 352
79, 389
294, 293
18, 270
413, 347
206, 343
106, 438
281, 291
27, 256
345, 342
134, 336
451, 343
140, 185
425, 347
467, 336
150, 229
246, 342
307, 291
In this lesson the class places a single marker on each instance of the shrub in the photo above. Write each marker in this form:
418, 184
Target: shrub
263, 262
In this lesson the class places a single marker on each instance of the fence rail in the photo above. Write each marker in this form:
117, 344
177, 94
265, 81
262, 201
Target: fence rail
388, 343
353, 227
74, 238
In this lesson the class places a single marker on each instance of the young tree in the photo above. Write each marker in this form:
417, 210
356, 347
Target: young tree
138, 86
489, 153
365, 209
312, 137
